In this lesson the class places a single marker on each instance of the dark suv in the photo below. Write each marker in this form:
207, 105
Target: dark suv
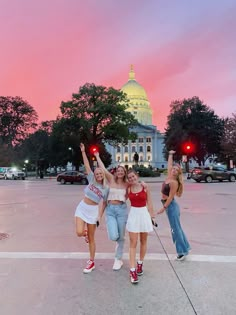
208, 174
72, 177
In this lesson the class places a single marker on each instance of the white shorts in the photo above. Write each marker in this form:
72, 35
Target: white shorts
88, 213
139, 220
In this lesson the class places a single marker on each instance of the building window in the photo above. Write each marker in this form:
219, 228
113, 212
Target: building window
118, 149
140, 140
133, 149
149, 158
126, 159
148, 139
148, 148
140, 149
118, 159
126, 149
141, 159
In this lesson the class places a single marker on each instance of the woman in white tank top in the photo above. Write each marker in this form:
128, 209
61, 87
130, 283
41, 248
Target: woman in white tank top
116, 209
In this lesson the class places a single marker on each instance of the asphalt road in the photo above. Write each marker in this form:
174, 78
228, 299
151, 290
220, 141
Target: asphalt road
41, 261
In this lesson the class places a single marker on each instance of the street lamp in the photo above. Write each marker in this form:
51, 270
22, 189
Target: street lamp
26, 163
72, 153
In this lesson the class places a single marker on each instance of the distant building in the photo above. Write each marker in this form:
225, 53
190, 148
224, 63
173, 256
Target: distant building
149, 144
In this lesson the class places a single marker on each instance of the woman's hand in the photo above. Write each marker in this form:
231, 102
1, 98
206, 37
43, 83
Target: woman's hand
172, 152
82, 148
161, 210
96, 154
154, 222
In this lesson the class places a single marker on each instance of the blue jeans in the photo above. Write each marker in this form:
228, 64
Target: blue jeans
116, 218
178, 236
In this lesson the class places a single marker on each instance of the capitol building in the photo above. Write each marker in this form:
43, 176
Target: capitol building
149, 143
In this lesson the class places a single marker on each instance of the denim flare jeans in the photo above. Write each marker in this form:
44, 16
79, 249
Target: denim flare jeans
116, 218
178, 236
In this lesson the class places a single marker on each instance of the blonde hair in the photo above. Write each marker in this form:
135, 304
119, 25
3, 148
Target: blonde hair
180, 181
125, 175
104, 181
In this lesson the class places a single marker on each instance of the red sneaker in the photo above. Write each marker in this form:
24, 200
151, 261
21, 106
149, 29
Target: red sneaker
133, 276
139, 269
85, 236
90, 266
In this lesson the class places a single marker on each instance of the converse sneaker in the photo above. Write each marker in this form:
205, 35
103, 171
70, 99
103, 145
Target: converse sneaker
133, 276
118, 263
139, 269
89, 267
180, 257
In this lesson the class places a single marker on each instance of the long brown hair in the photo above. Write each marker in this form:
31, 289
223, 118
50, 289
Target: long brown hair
180, 181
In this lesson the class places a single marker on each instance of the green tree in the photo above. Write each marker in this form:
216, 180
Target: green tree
98, 114
194, 122
228, 141
35, 148
6, 154
64, 136
17, 120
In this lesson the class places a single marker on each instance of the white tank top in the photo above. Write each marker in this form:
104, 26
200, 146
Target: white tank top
117, 194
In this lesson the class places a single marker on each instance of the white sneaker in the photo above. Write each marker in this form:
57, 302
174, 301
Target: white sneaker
118, 263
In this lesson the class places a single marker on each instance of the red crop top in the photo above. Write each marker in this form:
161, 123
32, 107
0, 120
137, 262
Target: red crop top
138, 199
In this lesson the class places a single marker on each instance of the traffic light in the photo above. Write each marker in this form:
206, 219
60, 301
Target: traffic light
93, 149
188, 148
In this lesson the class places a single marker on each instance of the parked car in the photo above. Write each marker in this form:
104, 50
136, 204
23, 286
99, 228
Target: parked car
208, 174
72, 177
14, 173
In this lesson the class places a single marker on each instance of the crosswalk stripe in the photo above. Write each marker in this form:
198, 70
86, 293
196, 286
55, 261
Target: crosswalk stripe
82, 255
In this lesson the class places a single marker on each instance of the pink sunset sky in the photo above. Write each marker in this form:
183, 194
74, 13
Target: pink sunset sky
179, 49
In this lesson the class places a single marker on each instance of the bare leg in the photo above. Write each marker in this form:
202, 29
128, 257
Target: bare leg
133, 237
143, 245
91, 237
80, 224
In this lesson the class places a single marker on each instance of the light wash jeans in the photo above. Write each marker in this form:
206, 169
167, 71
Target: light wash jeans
116, 218
178, 236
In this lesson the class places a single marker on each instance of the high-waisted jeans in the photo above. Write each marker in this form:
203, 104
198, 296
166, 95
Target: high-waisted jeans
116, 219
178, 236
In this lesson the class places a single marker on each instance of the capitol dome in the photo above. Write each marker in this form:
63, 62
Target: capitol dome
132, 88
138, 101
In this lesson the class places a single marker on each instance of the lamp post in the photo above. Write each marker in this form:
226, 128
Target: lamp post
26, 163
72, 154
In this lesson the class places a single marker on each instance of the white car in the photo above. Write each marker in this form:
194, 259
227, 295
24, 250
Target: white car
14, 173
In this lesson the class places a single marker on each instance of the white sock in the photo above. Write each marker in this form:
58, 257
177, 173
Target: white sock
132, 269
140, 262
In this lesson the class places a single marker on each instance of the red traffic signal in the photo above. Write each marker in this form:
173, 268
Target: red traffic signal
188, 147
93, 149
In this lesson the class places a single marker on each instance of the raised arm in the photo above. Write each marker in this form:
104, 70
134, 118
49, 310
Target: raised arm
108, 175
85, 159
170, 162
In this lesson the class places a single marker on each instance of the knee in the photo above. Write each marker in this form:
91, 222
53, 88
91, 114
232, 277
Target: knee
133, 244
113, 237
80, 233
112, 234
143, 242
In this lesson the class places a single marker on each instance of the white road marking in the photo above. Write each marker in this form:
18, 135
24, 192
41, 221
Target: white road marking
81, 255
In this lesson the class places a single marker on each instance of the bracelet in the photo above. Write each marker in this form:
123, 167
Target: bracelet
164, 206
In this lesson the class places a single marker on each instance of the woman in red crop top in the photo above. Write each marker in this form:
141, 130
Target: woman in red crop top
171, 187
139, 222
